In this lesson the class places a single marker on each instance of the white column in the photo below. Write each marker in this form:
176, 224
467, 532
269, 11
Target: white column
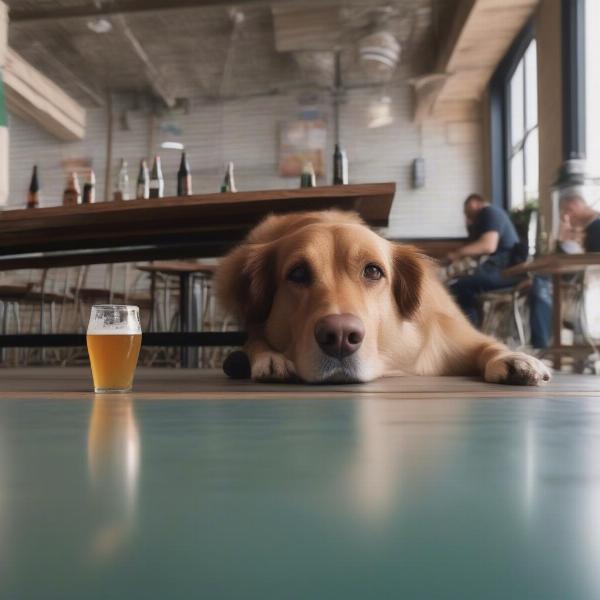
3, 113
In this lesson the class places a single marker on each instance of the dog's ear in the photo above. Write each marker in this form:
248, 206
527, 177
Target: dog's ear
407, 279
246, 283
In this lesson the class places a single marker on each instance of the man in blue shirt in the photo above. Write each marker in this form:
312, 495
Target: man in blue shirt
492, 233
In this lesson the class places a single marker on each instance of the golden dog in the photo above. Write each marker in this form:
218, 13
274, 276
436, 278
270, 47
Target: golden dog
325, 299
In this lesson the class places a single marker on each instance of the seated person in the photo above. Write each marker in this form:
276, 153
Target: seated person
580, 217
579, 223
492, 233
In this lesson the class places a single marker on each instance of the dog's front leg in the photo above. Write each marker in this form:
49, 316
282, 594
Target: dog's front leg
498, 364
267, 364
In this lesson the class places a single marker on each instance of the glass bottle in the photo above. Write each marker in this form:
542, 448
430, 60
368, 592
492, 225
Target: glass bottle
184, 177
340, 166
157, 183
142, 188
89, 188
308, 179
72, 193
228, 184
122, 188
33, 195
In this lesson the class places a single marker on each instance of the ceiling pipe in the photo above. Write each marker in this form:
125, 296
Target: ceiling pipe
154, 77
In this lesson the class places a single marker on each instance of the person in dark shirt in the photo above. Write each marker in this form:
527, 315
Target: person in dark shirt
583, 223
592, 236
579, 216
492, 233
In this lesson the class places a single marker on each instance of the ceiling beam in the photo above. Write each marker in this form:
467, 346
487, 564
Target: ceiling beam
41, 54
457, 30
34, 97
91, 9
156, 80
477, 38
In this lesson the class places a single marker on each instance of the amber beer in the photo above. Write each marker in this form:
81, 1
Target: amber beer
114, 338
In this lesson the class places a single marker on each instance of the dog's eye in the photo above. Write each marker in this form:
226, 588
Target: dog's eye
300, 274
372, 272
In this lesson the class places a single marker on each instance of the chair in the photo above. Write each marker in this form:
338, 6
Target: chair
10, 297
589, 311
503, 314
50, 307
39, 302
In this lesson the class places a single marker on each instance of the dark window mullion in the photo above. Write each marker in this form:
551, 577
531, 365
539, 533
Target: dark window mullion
525, 132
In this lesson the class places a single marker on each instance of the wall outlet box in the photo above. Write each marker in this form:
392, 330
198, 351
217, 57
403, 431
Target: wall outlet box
418, 173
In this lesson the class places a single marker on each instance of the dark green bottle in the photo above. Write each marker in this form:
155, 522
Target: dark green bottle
308, 179
340, 166
184, 177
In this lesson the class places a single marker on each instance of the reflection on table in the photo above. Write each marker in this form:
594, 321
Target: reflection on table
114, 469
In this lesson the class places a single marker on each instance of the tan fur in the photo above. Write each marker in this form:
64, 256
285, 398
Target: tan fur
412, 324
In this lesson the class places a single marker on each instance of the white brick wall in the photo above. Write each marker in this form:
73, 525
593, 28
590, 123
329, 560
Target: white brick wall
246, 131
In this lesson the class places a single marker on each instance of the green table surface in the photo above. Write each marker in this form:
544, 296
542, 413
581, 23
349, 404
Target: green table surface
348, 497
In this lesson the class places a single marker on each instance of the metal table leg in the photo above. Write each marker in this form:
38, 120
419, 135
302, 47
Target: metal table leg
189, 356
557, 319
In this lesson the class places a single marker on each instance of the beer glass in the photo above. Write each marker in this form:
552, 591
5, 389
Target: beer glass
114, 337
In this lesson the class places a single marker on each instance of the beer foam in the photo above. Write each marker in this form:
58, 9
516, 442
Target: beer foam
104, 323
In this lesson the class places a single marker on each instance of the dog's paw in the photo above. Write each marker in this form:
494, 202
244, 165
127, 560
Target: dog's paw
272, 366
516, 368
237, 365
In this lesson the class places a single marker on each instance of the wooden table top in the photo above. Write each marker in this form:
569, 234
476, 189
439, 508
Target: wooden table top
161, 228
551, 264
436, 248
178, 267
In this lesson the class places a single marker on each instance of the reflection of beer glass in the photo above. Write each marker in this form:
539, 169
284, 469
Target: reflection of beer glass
114, 337
114, 468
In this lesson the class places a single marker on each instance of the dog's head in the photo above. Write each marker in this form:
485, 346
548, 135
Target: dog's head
325, 291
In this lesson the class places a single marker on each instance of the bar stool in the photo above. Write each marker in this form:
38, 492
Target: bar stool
193, 294
502, 313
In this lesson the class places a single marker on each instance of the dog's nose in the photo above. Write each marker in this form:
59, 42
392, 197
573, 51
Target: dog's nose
339, 335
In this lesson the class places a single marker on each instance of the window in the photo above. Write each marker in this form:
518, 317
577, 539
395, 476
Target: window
592, 83
522, 126
514, 124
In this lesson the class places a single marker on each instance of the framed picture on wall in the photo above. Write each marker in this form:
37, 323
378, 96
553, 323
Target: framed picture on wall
302, 141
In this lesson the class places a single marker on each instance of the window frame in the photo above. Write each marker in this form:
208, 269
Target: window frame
573, 73
526, 135
500, 126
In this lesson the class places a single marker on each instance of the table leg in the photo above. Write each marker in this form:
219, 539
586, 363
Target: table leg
189, 356
184, 314
557, 319
152, 324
